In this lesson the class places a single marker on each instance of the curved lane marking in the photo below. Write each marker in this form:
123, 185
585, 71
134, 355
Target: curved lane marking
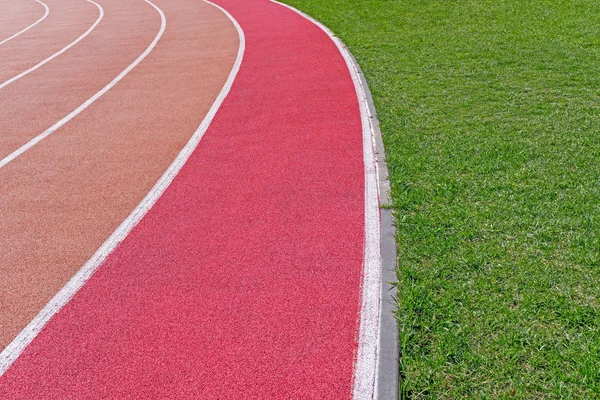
30, 26
20, 343
58, 53
366, 362
92, 99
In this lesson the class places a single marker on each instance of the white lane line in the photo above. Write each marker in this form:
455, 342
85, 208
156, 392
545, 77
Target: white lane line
30, 26
92, 99
53, 56
20, 343
366, 362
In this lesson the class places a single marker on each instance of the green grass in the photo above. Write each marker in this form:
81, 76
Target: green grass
491, 118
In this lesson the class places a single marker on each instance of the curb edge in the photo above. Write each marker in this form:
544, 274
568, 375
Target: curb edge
388, 362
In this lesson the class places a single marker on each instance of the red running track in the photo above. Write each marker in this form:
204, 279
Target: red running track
67, 20
16, 17
243, 281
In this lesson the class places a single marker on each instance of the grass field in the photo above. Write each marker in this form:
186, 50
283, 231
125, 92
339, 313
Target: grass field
491, 117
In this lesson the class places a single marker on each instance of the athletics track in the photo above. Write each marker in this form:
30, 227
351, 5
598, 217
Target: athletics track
189, 204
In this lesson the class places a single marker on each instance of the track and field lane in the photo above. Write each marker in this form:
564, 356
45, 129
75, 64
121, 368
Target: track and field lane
63, 198
59, 87
17, 17
67, 20
243, 281
61, 51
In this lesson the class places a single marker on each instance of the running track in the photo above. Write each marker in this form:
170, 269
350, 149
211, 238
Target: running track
188, 204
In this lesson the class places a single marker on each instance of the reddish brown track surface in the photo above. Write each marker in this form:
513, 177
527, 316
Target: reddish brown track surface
17, 15
125, 31
60, 200
68, 19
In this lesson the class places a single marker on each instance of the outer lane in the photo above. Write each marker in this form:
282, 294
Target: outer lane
64, 197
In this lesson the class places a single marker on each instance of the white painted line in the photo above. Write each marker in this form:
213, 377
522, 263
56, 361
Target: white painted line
365, 367
58, 53
92, 99
47, 11
18, 345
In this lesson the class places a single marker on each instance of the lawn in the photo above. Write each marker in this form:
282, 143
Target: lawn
490, 112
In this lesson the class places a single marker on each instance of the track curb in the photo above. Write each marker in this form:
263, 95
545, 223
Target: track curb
387, 365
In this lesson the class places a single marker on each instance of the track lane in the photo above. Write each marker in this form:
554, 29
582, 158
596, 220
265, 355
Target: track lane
15, 15
63, 85
61, 51
243, 281
67, 20
64, 197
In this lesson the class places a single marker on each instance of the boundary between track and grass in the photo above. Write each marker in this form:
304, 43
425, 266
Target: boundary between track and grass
95, 97
376, 363
388, 367
20, 343
58, 53
47, 11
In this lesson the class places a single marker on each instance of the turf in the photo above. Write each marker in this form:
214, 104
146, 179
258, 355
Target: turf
490, 112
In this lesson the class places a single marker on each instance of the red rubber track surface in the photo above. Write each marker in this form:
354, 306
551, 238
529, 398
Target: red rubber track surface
243, 281
17, 15
68, 19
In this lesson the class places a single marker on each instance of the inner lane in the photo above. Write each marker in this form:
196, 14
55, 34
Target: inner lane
15, 16
61, 200
67, 20
60, 86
